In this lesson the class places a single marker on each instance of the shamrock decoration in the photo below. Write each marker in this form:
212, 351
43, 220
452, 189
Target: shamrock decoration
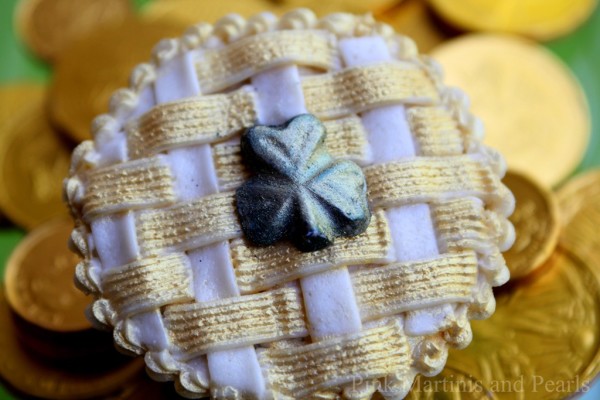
299, 191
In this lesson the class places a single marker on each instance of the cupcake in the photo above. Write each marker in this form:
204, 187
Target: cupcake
291, 208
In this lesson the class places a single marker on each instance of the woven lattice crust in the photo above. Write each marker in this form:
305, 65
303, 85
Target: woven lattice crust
126, 176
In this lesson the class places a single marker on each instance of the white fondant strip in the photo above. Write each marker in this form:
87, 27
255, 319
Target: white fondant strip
148, 328
177, 80
328, 297
279, 95
146, 100
213, 273
115, 241
113, 150
211, 280
193, 172
115, 237
390, 137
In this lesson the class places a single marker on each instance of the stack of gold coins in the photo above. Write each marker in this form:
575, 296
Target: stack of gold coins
49, 348
543, 342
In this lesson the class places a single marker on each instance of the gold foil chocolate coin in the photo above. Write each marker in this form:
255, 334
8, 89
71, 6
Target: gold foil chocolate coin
540, 19
33, 163
536, 222
579, 202
39, 280
89, 71
40, 379
413, 18
189, 12
48, 26
15, 97
533, 108
543, 341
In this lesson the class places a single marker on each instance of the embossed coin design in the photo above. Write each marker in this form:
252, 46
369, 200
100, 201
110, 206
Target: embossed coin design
33, 163
89, 71
540, 19
48, 26
537, 225
579, 202
39, 280
543, 340
39, 379
526, 98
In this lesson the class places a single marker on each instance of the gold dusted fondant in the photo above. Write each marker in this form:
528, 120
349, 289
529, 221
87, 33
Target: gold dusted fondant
191, 122
188, 225
430, 179
363, 88
148, 284
197, 328
300, 371
395, 288
230, 65
436, 131
126, 186
258, 268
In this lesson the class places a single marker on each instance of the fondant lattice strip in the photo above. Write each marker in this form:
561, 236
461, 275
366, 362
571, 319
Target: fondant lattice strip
362, 88
346, 138
465, 224
372, 353
195, 121
197, 328
428, 179
131, 185
188, 225
392, 289
220, 68
436, 131
148, 284
259, 268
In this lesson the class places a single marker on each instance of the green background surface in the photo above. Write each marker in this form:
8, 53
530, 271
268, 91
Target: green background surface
580, 50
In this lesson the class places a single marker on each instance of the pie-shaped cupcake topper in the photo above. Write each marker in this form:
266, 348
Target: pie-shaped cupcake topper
299, 190
191, 169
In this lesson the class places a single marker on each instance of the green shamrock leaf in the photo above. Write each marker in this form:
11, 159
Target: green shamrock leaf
299, 191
